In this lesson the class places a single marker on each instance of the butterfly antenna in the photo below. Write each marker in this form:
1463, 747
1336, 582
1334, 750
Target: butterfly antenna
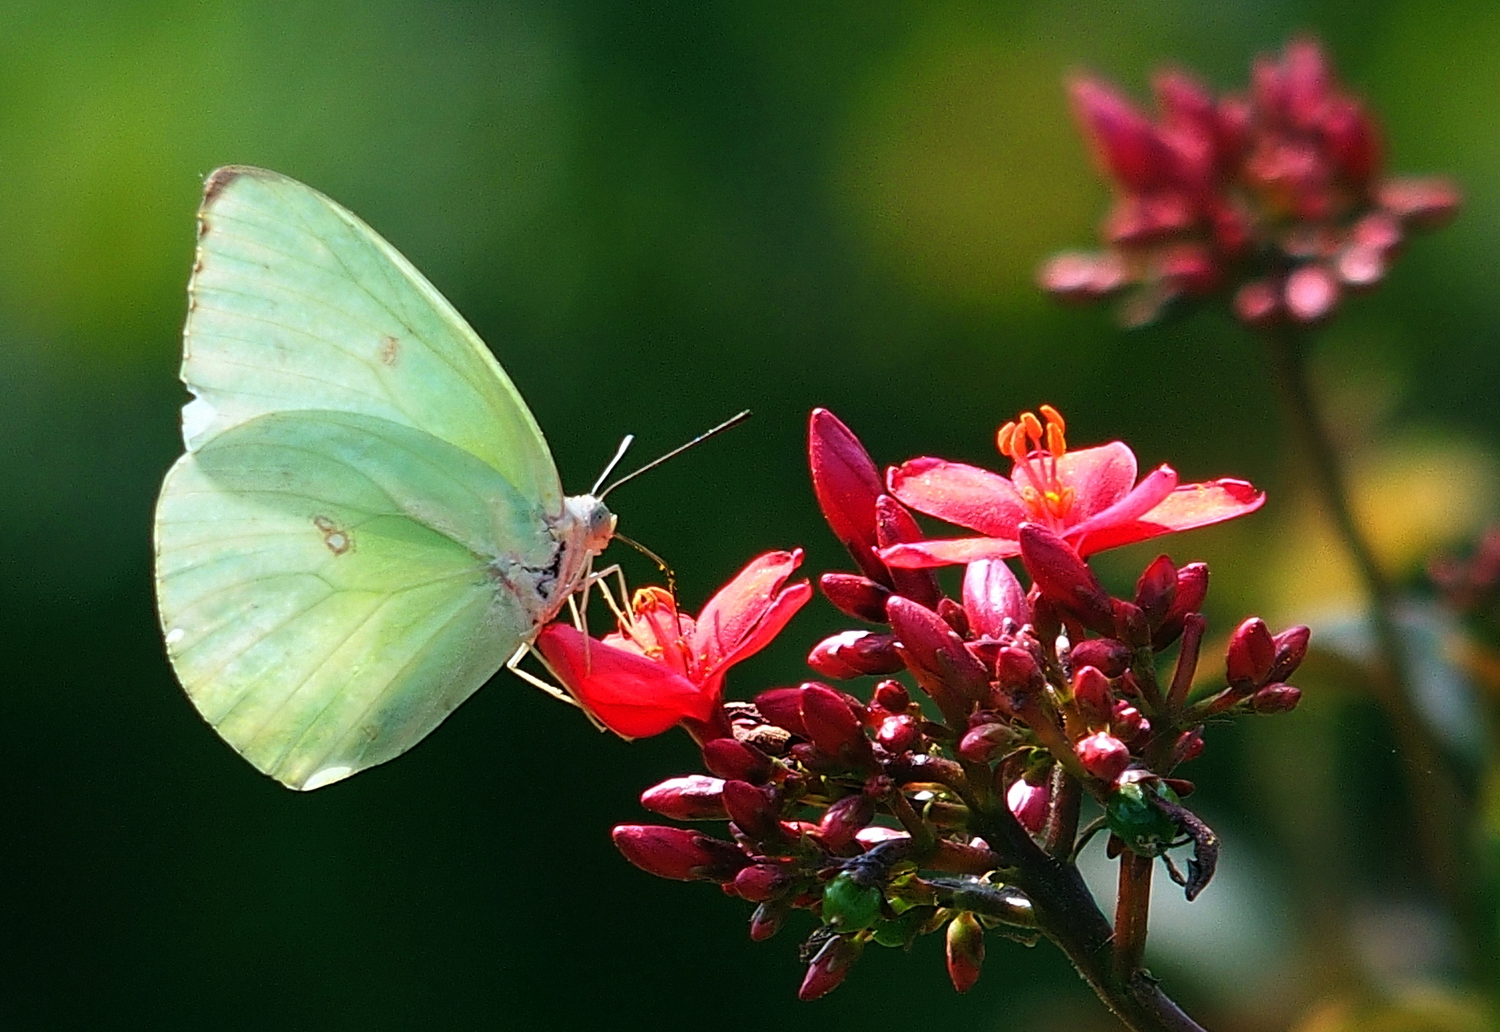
619, 454
734, 420
658, 560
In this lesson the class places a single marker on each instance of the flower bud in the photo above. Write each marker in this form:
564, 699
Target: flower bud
768, 919
1091, 691
1189, 746
1083, 277
1275, 698
856, 596
832, 726
892, 697
1311, 293
1126, 722
895, 526
736, 761
782, 707
937, 656
1103, 755
760, 882
954, 616
690, 798
1029, 803
1065, 579
855, 654
993, 598
843, 820
1250, 655
754, 811
1291, 649
1421, 203
1192, 589
1124, 140
1258, 303
829, 967
677, 853
1156, 590
983, 743
899, 733
965, 951
1111, 656
846, 484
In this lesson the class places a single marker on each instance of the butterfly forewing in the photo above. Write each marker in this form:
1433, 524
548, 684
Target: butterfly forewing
358, 535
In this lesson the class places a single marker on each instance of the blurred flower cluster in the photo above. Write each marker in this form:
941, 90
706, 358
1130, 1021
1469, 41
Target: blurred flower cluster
1276, 197
952, 801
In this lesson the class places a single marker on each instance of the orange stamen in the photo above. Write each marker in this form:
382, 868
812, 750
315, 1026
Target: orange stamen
1022, 441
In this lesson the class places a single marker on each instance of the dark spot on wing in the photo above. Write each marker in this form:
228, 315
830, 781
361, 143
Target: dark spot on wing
390, 351
337, 539
218, 181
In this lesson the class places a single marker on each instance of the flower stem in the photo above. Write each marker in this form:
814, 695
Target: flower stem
1067, 914
1132, 908
1430, 784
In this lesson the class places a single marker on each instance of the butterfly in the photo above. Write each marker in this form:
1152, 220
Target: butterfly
366, 523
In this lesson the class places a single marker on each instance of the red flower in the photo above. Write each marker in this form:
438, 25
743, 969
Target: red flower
663, 667
1089, 497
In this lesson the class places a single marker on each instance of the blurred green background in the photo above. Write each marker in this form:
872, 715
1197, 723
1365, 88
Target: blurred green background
658, 213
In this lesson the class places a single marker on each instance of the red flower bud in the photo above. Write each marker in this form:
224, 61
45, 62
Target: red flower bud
1065, 579
1291, 649
954, 616
846, 484
1189, 269
753, 810
1275, 698
1124, 140
855, 654
983, 743
768, 919
844, 819
993, 599
937, 656
1250, 655
1109, 655
892, 697
1083, 277
1189, 746
690, 798
1311, 293
965, 951
1126, 722
678, 853
1016, 670
1156, 590
1029, 803
899, 733
1258, 303
834, 728
829, 967
857, 596
895, 526
1192, 589
1352, 141
736, 761
782, 707
1092, 693
760, 882
1420, 203
1103, 755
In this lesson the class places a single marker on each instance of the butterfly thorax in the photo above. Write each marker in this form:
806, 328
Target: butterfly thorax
582, 531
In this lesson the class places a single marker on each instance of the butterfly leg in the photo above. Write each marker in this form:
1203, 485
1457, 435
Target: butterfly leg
514, 666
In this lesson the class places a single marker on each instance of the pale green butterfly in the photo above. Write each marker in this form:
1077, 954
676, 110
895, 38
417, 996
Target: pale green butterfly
367, 523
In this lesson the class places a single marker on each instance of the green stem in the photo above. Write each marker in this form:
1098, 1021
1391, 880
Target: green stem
1430, 783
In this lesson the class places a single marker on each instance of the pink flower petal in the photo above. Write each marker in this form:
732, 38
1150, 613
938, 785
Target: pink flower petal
776, 616
1188, 507
920, 555
1100, 477
1139, 501
631, 695
966, 495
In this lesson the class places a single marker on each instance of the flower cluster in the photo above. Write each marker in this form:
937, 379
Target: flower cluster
1277, 195
950, 801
